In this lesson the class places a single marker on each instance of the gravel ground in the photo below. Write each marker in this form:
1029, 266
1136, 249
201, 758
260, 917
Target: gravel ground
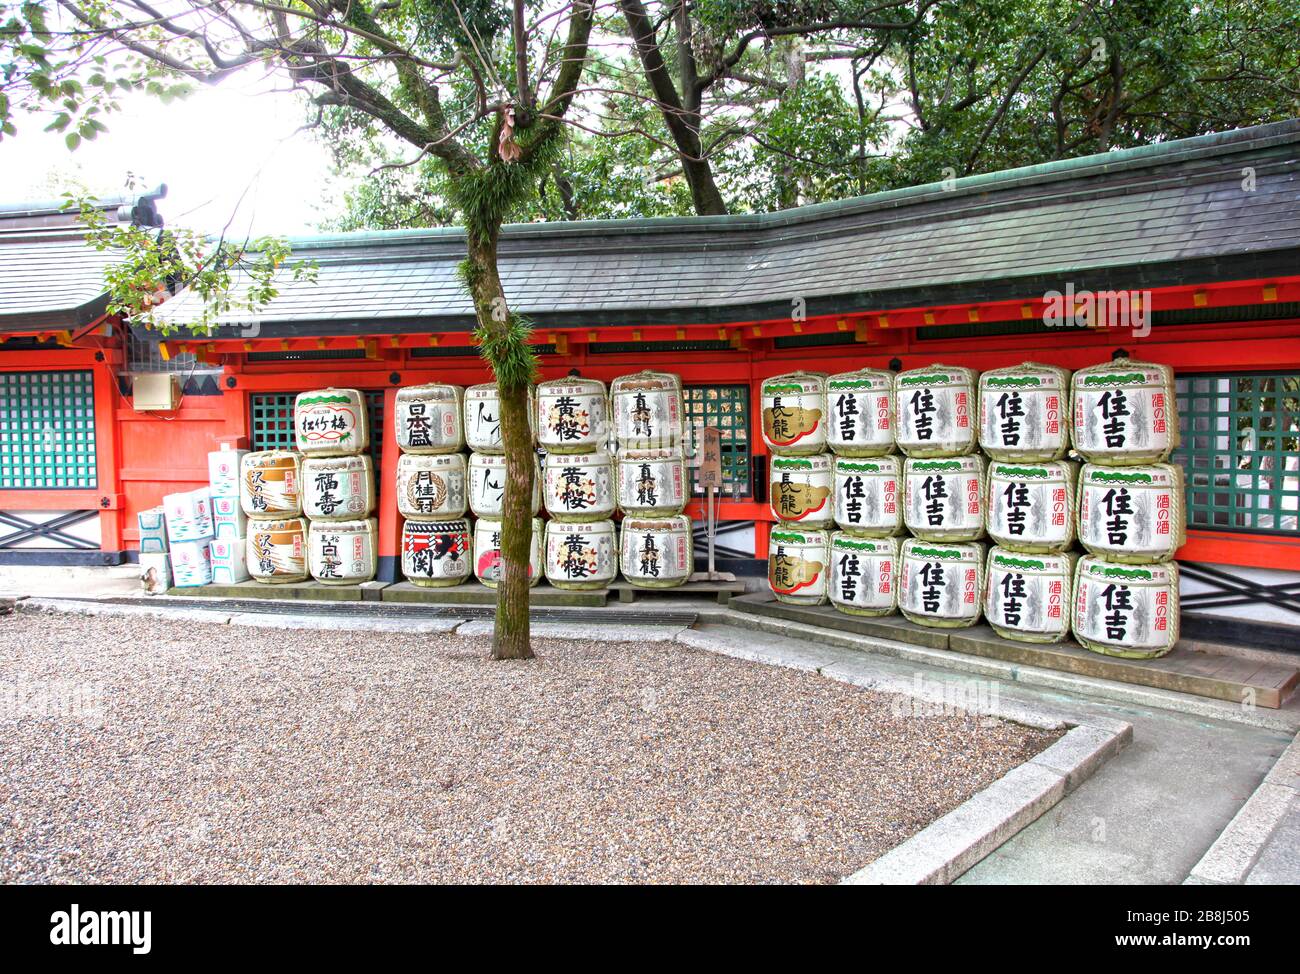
143, 750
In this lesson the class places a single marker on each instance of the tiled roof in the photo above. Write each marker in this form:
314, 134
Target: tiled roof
49, 276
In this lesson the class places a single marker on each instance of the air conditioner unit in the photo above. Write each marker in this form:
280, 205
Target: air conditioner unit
154, 392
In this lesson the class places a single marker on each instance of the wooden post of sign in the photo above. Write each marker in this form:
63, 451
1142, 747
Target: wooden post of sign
708, 477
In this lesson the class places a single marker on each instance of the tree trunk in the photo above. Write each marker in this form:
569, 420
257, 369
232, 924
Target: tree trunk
510, 636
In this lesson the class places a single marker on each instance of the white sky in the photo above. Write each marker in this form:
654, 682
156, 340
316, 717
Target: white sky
210, 149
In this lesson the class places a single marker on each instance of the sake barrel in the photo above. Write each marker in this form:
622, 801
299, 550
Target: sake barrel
1132, 514
864, 574
572, 415
1027, 597
800, 490
579, 486
431, 485
277, 549
869, 496
1025, 412
656, 552
794, 413
648, 410
860, 413
270, 483
651, 483
487, 551
798, 564
1031, 505
581, 555
941, 584
338, 488
342, 552
1125, 610
427, 418
436, 553
944, 499
331, 423
482, 415
1125, 413
935, 410
487, 484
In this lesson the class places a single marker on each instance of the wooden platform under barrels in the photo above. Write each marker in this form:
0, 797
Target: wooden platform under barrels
1185, 669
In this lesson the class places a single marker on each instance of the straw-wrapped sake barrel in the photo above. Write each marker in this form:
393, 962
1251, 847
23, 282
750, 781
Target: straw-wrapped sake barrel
1027, 596
860, 413
488, 565
579, 486
798, 564
482, 414
581, 555
864, 574
794, 413
342, 552
944, 499
277, 549
431, 485
800, 490
1031, 505
338, 488
487, 484
270, 483
651, 483
656, 552
936, 411
1025, 412
427, 418
1126, 610
869, 495
1125, 413
436, 554
648, 410
941, 585
331, 423
1132, 514
572, 415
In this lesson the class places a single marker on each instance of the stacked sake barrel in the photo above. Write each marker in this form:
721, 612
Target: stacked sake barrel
867, 503
432, 473
941, 574
800, 483
270, 493
337, 495
1130, 509
487, 485
578, 483
1025, 430
648, 411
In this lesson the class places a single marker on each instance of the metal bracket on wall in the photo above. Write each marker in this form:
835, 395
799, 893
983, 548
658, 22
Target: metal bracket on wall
1231, 590
51, 530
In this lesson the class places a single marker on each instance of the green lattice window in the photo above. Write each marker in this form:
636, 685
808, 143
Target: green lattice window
272, 419
727, 408
47, 430
1240, 451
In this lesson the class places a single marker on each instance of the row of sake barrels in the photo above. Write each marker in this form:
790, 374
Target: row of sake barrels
653, 553
283, 483
1121, 610
292, 549
571, 486
1120, 412
569, 415
1133, 514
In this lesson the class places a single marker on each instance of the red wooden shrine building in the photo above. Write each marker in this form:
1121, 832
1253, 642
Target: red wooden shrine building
1202, 236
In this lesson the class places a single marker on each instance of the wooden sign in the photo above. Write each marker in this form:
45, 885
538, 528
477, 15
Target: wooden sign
710, 471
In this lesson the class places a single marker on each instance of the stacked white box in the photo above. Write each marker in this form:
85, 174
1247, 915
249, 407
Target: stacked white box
191, 563
229, 561
156, 572
189, 516
153, 531
228, 518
